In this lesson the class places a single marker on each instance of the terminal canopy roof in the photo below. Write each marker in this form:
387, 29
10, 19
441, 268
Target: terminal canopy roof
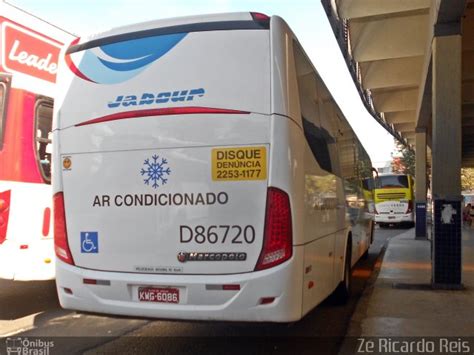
387, 46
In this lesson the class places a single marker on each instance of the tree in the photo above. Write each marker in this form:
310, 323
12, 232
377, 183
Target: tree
467, 179
403, 160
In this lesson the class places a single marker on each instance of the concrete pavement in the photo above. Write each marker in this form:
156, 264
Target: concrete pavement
400, 301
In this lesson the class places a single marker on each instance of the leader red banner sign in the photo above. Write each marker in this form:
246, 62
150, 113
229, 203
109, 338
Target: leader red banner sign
30, 53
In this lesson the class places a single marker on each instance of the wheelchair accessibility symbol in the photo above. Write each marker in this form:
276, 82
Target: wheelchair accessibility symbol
89, 242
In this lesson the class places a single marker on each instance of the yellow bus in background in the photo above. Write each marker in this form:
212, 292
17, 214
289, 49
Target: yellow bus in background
394, 199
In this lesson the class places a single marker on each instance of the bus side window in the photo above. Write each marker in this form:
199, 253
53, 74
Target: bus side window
320, 140
43, 122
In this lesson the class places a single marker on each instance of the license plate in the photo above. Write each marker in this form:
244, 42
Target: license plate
158, 294
391, 217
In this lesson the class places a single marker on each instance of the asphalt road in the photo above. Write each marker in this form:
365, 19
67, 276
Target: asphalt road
31, 309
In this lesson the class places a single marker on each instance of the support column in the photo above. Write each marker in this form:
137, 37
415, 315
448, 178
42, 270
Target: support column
446, 174
420, 183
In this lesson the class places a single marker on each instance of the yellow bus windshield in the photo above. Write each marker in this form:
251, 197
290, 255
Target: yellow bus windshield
393, 188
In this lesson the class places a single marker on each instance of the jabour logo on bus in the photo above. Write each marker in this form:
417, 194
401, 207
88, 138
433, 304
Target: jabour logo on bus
29, 53
160, 98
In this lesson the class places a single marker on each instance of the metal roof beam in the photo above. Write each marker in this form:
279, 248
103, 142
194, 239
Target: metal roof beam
398, 100
389, 37
362, 8
400, 117
404, 127
392, 73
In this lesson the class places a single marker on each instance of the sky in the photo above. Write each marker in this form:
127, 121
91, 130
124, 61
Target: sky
306, 18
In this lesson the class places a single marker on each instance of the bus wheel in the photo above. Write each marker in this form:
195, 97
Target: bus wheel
343, 290
372, 231
365, 256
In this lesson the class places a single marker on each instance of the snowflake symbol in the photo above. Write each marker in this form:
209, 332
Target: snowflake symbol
155, 171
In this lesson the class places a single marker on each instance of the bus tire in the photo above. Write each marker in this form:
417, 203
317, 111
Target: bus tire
343, 290
365, 256
372, 231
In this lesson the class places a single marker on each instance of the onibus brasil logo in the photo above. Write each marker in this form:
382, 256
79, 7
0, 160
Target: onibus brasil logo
155, 171
20, 346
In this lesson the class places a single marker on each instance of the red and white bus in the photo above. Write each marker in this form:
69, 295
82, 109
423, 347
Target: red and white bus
29, 58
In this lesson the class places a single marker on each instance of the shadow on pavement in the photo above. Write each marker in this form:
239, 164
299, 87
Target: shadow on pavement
397, 226
21, 298
321, 331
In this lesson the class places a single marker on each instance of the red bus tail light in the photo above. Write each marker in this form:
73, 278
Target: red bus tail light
4, 213
277, 240
258, 16
46, 221
410, 207
262, 19
61, 245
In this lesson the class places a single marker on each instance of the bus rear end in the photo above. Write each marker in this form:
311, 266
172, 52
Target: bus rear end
394, 200
163, 199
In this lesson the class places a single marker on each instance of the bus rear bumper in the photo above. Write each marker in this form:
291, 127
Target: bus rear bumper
201, 296
399, 218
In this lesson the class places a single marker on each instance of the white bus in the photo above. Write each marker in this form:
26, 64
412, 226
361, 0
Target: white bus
202, 170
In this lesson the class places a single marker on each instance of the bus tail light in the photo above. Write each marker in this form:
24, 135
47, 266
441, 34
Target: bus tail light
410, 207
4, 213
61, 245
262, 19
277, 240
267, 300
258, 16
96, 282
46, 221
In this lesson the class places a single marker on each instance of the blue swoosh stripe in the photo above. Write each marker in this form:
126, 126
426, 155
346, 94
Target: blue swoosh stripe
139, 52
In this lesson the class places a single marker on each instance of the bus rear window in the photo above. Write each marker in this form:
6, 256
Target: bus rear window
392, 181
43, 122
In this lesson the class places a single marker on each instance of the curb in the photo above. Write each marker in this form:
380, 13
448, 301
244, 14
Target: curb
354, 328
